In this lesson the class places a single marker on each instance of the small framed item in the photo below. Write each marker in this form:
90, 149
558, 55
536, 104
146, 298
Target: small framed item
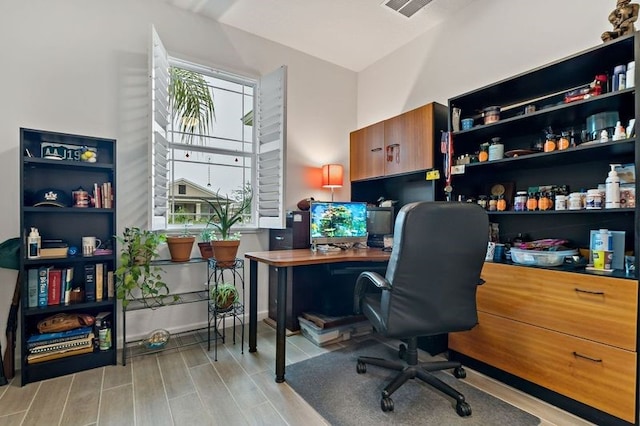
58, 151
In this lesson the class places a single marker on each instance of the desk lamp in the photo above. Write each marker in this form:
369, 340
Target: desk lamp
332, 175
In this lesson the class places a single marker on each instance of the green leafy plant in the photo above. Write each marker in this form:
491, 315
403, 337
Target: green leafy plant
136, 277
192, 102
226, 211
207, 235
224, 295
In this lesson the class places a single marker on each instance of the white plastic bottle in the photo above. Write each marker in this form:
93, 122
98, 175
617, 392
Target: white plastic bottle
33, 244
612, 185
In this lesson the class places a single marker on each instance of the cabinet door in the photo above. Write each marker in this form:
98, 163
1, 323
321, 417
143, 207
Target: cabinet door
408, 141
367, 152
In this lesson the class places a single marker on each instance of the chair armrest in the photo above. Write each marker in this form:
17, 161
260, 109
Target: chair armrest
364, 279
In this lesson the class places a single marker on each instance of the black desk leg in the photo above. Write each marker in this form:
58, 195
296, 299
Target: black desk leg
253, 304
281, 319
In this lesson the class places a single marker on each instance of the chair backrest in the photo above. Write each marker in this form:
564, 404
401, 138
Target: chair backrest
438, 253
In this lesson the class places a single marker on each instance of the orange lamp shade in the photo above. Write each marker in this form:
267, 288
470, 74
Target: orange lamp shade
332, 176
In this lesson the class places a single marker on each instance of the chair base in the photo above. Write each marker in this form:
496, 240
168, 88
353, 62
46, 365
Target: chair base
411, 369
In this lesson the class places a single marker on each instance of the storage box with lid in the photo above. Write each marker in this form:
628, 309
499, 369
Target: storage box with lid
327, 336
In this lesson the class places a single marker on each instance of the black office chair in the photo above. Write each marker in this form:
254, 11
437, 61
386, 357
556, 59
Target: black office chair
429, 289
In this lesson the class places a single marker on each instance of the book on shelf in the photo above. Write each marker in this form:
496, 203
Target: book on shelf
63, 353
67, 344
68, 285
110, 285
59, 336
90, 283
99, 280
54, 286
43, 278
54, 248
32, 287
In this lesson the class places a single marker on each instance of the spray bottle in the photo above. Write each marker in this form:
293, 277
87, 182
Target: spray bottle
612, 185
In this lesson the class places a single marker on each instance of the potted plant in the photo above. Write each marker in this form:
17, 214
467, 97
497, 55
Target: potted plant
226, 211
224, 295
180, 245
206, 236
136, 277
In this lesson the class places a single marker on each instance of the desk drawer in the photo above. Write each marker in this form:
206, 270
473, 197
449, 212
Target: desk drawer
281, 239
597, 308
547, 358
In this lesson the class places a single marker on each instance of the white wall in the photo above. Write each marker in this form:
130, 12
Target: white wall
80, 67
487, 41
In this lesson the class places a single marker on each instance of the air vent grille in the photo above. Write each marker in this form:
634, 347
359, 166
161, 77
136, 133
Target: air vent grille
406, 7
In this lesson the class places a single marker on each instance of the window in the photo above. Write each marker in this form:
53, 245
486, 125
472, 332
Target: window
243, 151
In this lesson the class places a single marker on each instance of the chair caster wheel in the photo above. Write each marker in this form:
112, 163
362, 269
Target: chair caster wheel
463, 409
402, 351
361, 367
459, 373
386, 404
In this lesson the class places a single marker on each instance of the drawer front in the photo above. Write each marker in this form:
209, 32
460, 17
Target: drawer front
595, 374
597, 308
280, 239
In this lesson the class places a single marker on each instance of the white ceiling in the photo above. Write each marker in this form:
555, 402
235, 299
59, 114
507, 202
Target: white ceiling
350, 33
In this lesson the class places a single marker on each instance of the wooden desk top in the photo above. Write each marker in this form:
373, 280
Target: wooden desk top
300, 257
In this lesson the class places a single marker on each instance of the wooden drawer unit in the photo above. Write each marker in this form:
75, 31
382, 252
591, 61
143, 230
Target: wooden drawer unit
595, 374
597, 308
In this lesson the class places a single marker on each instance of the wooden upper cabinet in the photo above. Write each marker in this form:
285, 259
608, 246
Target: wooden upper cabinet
402, 144
366, 158
408, 140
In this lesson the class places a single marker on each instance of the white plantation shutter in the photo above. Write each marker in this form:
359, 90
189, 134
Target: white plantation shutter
159, 146
270, 159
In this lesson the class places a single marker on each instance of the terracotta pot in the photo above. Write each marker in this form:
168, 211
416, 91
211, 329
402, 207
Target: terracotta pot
224, 252
206, 251
180, 248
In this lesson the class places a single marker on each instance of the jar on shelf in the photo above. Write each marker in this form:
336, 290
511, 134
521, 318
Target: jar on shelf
575, 201
501, 204
520, 201
491, 114
545, 201
532, 202
496, 149
594, 199
493, 204
483, 155
561, 202
550, 143
564, 142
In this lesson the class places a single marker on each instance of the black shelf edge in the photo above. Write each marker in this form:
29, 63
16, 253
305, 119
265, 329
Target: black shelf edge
69, 259
616, 273
52, 309
67, 210
170, 262
551, 212
68, 365
37, 161
184, 298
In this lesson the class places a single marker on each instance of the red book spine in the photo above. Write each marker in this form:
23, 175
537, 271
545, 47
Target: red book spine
55, 286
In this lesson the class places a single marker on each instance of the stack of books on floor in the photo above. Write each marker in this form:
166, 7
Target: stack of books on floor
325, 330
47, 346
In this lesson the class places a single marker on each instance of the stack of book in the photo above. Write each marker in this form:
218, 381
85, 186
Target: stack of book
47, 346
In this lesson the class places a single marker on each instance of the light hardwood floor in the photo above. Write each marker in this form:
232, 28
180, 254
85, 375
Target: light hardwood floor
186, 387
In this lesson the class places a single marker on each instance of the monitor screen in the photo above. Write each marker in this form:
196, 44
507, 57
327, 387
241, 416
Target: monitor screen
380, 222
338, 222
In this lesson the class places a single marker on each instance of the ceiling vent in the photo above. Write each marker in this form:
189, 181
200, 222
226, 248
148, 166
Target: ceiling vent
406, 7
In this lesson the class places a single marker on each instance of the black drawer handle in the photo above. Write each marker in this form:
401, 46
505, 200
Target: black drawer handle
578, 355
376, 149
279, 238
579, 290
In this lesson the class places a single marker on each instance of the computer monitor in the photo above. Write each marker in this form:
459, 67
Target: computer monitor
380, 222
338, 222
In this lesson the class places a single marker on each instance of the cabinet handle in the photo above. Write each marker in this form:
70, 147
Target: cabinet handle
579, 290
579, 355
376, 149
279, 238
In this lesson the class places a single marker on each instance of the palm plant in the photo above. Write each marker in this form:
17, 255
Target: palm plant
192, 102
227, 211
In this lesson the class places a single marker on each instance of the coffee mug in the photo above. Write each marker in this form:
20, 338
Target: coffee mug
89, 245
